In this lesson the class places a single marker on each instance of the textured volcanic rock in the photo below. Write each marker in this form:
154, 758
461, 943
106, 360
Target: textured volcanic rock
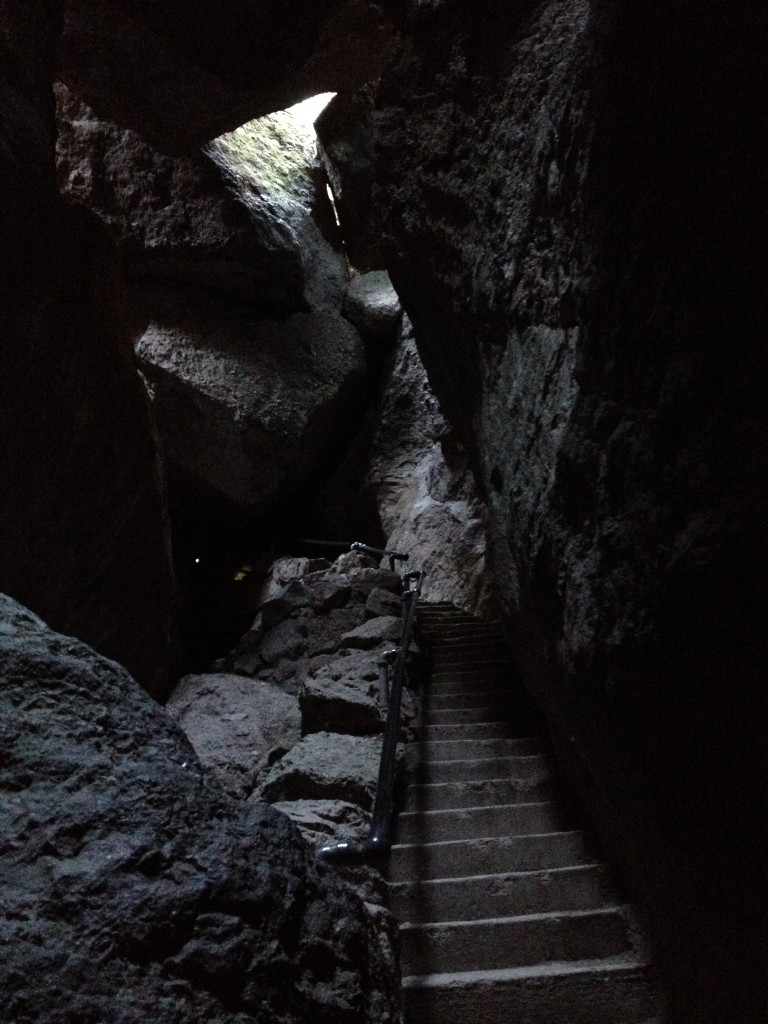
248, 409
423, 488
83, 530
248, 215
342, 696
133, 888
381, 630
570, 195
182, 75
326, 766
237, 726
372, 305
325, 821
345, 132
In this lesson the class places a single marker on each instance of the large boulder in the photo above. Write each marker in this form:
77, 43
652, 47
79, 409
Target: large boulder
250, 408
326, 766
569, 195
237, 726
132, 887
84, 537
180, 76
248, 216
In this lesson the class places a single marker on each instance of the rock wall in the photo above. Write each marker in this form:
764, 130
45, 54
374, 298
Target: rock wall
570, 195
132, 887
180, 78
83, 527
84, 536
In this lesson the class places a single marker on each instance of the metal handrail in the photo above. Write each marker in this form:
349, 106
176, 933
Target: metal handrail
356, 545
379, 839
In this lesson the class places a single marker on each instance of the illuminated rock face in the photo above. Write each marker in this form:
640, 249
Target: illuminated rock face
247, 218
569, 198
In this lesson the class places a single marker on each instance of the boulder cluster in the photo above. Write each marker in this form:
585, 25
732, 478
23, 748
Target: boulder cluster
294, 714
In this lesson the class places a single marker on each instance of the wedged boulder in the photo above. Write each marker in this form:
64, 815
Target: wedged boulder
372, 305
325, 765
250, 409
182, 75
342, 696
132, 887
237, 726
248, 216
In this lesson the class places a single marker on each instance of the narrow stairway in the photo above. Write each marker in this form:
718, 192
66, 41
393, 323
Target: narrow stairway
506, 913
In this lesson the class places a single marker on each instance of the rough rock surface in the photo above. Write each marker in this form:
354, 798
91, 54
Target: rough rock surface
182, 75
345, 132
133, 888
325, 821
372, 305
248, 216
327, 766
342, 696
237, 726
423, 488
250, 408
83, 527
381, 630
571, 194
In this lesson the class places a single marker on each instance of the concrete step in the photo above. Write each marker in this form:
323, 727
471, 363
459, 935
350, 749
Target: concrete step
458, 858
493, 943
473, 748
502, 682
479, 822
523, 766
472, 699
463, 650
469, 731
479, 793
484, 713
468, 672
614, 990
470, 643
501, 895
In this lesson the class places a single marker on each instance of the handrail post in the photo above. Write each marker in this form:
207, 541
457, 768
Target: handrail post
385, 661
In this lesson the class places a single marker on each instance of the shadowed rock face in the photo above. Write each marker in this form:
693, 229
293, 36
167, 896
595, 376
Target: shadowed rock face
183, 76
570, 201
133, 888
83, 532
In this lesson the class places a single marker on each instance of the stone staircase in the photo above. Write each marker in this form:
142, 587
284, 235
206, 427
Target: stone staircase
507, 914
